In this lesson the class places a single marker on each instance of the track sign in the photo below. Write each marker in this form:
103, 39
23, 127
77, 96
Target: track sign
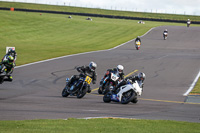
7, 48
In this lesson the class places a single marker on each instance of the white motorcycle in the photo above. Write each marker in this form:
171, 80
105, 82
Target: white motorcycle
125, 94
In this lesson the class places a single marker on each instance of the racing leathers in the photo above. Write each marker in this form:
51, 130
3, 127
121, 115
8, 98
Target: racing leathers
138, 39
83, 70
10, 53
114, 70
7, 68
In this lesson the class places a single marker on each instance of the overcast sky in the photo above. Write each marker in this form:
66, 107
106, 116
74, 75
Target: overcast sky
188, 7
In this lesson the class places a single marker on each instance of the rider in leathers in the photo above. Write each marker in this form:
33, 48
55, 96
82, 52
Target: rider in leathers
88, 70
118, 71
11, 52
9, 65
138, 39
140, 78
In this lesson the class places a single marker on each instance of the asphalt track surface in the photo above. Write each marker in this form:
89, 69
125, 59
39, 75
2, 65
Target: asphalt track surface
170, 66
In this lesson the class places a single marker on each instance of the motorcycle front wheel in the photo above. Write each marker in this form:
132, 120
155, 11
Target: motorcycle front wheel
100, 90
81, 93
107, 97
106, 88
128, 97
64, 92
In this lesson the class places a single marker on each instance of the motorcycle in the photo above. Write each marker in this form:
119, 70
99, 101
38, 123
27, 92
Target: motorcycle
188, 24
165, 35
109, 82
125, 94
78, 88
137, 44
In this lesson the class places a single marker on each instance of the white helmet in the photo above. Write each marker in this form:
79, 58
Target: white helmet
92, 66
120, 68
141, 76
165, 29
188, 19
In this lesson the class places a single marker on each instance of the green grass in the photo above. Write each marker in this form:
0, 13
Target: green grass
99, 11
196, 89
98, 126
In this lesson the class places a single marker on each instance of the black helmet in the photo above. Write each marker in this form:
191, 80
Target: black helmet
92, 66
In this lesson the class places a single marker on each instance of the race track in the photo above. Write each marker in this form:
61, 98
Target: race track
170, 66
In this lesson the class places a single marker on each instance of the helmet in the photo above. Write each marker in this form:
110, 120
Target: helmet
165, 29
141, 76
188, 19
92, 66
11, 50
138, 37
120, 68
10, 59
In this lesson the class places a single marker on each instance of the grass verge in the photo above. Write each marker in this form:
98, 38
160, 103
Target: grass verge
98, 126
98, 11
196, 89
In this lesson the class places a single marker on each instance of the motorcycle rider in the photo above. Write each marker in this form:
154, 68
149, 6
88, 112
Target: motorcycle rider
140, 78
11, 52
138, 39
9, 65
188, 22
88, 70
118, 71
165, 31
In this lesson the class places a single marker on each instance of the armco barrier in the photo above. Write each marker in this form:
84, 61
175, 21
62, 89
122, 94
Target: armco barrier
101, 15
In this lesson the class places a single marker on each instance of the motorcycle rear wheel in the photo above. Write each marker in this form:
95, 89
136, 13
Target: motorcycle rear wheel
128, 97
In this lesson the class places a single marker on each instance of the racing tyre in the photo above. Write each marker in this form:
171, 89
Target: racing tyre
106, 88
100, 90
82, 93
135, 100
107, 98
127, 97
64, 92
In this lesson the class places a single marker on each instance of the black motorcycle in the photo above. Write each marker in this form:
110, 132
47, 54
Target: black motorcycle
109, 82
78, 88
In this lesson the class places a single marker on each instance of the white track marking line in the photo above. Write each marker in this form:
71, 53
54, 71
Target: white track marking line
192, 85
80, 53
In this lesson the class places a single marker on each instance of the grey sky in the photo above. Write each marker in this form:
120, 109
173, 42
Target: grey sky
188, 7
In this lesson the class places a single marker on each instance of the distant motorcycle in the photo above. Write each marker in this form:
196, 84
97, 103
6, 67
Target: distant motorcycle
78, 88
188, 24
165, 34
137, 44
125, 94
109, 82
